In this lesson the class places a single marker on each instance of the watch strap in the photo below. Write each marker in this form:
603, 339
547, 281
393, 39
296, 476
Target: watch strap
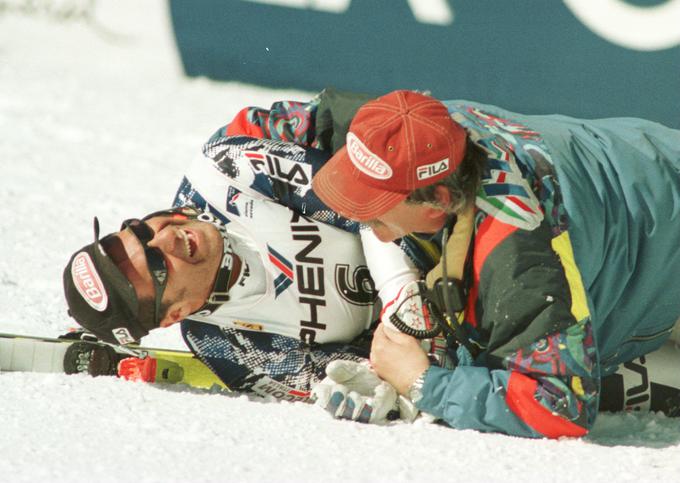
415, 392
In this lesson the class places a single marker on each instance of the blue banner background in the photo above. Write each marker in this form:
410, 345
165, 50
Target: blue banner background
530, 56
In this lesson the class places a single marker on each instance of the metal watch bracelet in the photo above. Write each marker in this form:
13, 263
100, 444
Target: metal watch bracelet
415, 392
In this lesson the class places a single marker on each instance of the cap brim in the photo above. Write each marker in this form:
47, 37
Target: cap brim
115, 280
338, 185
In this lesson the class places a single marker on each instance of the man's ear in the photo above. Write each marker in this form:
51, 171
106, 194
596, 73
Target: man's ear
443, 196
175, 313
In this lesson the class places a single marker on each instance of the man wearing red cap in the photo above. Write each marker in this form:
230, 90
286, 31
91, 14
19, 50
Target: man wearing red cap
560, 255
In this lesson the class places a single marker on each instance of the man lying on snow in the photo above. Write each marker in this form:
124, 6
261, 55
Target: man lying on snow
271, 285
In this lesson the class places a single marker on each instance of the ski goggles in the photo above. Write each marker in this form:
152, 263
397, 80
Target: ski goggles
155, 261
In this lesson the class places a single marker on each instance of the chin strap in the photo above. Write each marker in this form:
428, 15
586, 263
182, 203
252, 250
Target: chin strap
220, 290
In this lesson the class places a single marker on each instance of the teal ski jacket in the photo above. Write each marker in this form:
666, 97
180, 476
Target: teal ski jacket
575, 262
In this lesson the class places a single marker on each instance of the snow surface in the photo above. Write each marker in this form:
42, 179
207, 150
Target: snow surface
97, 119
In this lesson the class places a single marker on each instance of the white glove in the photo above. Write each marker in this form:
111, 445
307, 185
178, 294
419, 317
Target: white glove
352, 390
409, 307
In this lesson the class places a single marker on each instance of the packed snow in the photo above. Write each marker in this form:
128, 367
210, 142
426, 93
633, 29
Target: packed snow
96, 118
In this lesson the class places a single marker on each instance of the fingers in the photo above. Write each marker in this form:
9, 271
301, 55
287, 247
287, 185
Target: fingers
356, 376
342, 403
321, 394
359, 408
389, 333
397, 358
387, 343
383, 402
345, 405
342, 371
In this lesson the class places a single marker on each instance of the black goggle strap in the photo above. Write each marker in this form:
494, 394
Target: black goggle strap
181, 211
154, 260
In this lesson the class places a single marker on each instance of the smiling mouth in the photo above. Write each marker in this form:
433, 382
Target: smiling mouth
190, 244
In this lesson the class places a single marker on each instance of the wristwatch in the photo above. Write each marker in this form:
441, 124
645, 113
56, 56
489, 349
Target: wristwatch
415, 392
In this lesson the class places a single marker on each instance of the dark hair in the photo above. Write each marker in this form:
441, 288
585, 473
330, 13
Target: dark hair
462, 184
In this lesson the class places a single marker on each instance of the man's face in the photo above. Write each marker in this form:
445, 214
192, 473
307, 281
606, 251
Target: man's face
407, 218
192, 250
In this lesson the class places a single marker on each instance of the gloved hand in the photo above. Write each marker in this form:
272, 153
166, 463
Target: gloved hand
407, 313
352, 390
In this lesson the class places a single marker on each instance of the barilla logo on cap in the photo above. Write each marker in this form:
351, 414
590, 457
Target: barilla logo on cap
88, 283
123, 336
365, 160
433, 169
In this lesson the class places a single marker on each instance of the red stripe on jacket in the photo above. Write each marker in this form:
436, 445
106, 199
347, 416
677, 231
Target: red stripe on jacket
241, 126
490, 233
521, 399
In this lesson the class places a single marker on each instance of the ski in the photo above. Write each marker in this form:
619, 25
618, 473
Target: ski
649, 383
81, 354
646, 384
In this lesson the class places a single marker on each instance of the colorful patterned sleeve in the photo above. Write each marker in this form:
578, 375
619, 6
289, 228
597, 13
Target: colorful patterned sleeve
288, 121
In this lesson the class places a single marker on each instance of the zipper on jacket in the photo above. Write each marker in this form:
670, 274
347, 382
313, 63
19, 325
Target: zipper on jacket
637, 338
651, 336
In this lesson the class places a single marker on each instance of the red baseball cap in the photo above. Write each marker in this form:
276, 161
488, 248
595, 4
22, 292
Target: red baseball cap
396, 143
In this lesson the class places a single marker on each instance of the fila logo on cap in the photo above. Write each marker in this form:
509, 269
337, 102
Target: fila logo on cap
88, 283
433, 169
365, 160
123, 336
